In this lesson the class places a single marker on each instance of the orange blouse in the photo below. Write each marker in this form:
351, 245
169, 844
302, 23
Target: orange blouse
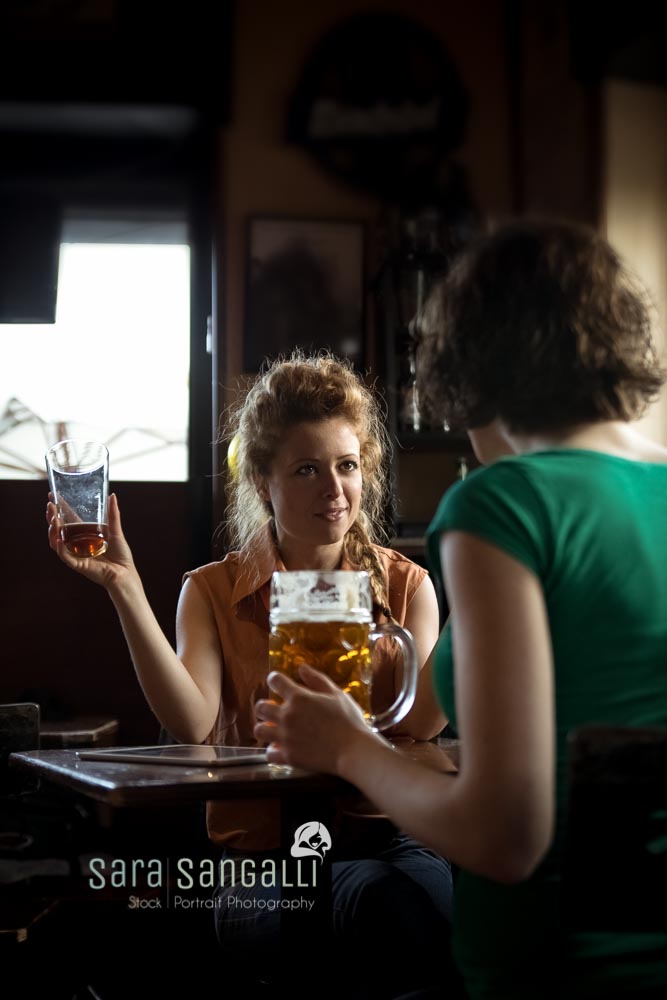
237, 589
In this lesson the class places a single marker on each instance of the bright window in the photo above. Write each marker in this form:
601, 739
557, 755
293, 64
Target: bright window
115, 365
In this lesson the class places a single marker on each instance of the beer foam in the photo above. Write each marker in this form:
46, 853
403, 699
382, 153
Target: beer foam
311, 595
353, 616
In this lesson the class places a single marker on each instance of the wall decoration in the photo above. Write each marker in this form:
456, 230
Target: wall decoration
304, 288
380, 103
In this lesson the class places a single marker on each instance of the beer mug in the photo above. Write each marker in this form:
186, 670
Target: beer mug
324, 619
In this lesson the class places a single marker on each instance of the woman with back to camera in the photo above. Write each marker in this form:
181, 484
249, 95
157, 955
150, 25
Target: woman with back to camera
307, 490
555, 566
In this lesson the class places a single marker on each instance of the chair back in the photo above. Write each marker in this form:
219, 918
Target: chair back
19, 730
615, 858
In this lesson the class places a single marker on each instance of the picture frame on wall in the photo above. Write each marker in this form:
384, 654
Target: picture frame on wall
304, 288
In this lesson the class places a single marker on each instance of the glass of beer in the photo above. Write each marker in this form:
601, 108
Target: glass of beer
325, 620
79, 480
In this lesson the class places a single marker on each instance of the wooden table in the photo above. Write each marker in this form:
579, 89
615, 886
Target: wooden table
123, 784
131, 787
131, 784
80, 731
137, 790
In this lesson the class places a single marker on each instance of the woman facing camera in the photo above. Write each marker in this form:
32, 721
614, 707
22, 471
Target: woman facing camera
307, 491
554, 560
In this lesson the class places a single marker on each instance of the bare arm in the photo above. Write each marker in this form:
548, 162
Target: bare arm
182, 690
425, 719
496, 817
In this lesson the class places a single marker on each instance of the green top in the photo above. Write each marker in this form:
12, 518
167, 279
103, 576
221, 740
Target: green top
593, 528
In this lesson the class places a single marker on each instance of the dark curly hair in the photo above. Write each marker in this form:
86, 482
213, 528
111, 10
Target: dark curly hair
539, 324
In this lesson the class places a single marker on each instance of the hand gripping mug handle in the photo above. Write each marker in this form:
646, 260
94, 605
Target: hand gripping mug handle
406, 696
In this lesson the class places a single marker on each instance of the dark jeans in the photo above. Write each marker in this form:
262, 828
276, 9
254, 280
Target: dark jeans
383, 932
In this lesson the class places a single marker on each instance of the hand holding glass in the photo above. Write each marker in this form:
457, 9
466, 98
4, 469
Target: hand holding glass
324, 619
79, 480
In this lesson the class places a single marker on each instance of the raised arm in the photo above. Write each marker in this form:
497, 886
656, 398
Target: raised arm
496, 816
182, 690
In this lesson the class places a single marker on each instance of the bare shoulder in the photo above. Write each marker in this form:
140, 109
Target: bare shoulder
654, 453
640, 448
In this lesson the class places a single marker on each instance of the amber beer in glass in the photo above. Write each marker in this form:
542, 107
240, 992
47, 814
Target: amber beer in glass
79, 480
324, 620
85, 539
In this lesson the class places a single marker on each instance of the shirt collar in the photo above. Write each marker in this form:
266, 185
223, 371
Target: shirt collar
251, 593
258, 567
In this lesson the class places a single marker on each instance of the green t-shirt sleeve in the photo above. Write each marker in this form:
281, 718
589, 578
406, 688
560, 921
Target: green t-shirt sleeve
501, 505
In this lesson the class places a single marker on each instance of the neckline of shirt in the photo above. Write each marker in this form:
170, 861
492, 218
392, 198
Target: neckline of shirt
586, 452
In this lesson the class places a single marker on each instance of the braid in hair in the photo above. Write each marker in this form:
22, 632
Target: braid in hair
360, 552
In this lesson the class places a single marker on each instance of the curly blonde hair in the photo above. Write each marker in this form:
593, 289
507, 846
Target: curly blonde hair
290, 391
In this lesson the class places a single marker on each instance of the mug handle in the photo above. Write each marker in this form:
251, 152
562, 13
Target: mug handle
406, 696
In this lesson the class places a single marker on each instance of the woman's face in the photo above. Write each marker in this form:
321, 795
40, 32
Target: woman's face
314, 485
